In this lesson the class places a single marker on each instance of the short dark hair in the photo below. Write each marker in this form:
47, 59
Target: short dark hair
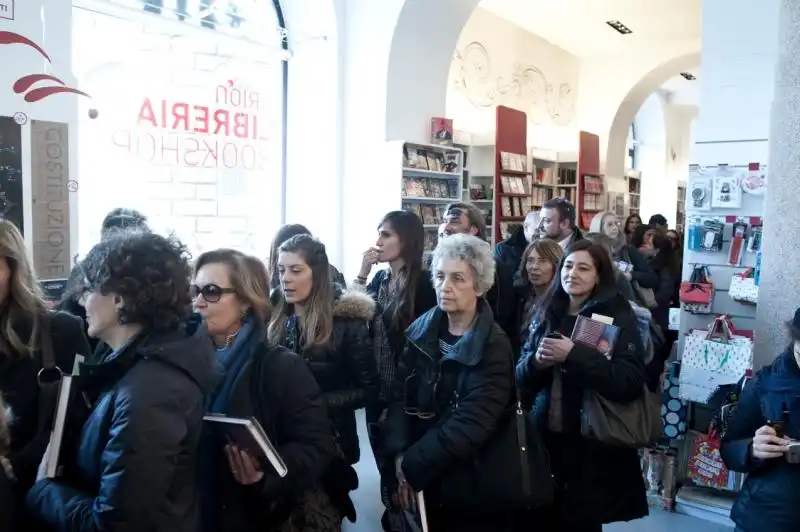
149, 272
474, 216
657, 219
124, 218
564, 207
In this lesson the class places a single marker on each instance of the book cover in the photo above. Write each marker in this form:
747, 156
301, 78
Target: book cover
52, 456
596, 334
249, 435
416, 518
442, 131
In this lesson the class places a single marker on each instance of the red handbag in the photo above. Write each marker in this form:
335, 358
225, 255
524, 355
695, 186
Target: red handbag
698, 290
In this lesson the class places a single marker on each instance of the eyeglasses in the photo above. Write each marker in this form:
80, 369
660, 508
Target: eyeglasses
212, 293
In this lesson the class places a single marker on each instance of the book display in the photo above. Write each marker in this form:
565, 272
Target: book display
512, 176
634, 192
680, 214
479, 182
432, 177
591, 183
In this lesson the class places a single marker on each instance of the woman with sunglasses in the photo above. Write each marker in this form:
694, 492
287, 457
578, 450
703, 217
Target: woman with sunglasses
329, 328
455, 355
240, 491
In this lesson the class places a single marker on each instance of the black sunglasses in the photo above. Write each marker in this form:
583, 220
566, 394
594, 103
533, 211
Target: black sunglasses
212, 293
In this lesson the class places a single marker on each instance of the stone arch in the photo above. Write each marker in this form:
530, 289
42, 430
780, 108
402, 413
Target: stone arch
650, 82
440, 24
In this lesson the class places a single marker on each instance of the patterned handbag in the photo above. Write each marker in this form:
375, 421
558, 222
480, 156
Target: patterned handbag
743, 287
697, 294
674, 410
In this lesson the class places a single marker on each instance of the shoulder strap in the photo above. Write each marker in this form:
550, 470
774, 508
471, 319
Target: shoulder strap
49, 377
46, 342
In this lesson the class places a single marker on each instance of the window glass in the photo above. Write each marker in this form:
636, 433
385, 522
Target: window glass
185, 118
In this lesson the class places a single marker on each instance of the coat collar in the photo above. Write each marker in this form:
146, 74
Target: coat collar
424, 334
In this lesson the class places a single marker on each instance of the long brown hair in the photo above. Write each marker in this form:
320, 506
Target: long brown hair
317, 324
411, 234
545, 248
284, 233
247, 279
24, 302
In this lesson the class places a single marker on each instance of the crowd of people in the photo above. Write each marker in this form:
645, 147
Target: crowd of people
448, 356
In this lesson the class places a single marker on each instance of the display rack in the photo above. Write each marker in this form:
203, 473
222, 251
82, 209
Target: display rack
591, 183
634, 179
512, 178
479, 185
432, 177
680, 211
702, 502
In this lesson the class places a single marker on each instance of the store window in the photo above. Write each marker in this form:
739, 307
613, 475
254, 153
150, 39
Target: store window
631, 149
185, 120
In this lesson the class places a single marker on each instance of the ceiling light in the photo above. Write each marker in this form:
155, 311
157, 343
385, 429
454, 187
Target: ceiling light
620, 27
688, 76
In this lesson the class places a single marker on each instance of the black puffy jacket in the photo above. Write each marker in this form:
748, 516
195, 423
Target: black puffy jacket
427, 381
599, 483
132, 466
768, 500
345, 368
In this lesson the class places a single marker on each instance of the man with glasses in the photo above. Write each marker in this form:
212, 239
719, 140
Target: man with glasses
558, 222
465, 218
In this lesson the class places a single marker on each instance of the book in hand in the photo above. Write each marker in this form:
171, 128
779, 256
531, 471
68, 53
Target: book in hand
52, 456
248, 435
416, 519
596, 334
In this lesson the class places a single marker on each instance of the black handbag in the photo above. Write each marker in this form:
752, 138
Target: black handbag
510, 472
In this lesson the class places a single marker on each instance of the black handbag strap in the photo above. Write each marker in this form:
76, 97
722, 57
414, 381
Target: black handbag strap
49, 376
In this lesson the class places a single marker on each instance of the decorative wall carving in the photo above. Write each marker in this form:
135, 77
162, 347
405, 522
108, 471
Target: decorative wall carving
526, 87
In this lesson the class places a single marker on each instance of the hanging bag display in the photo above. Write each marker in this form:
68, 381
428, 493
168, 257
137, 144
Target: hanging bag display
713, 358
674, 410
704, 465
743, 287
697, 294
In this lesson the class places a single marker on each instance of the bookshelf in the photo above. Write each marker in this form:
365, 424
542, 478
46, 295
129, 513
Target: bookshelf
634, 192
591, 183
512, 178
479, 184
432, 177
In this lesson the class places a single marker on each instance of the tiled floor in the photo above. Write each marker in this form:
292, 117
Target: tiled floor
369, 506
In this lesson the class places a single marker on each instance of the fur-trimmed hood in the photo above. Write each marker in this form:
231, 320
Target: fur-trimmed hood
351, 303
354, 304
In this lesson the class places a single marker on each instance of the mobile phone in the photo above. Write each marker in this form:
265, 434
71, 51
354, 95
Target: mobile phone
553, 334
793, 454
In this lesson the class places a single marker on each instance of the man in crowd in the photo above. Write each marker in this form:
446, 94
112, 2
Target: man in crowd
510, 250
658, 221
558, 222
467, 219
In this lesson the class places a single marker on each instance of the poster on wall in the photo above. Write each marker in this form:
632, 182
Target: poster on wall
50, 199
11, 171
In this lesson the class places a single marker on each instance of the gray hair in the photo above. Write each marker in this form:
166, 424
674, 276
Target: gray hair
469, 249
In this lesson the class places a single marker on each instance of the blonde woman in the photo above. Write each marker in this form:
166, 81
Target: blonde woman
24, 320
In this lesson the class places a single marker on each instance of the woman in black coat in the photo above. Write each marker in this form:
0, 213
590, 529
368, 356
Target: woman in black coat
24, 323
756, 442
132, 462
455, 355
329, 329
597, 483
241, 492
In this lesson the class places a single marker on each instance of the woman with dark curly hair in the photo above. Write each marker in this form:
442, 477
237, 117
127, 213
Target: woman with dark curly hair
133, 464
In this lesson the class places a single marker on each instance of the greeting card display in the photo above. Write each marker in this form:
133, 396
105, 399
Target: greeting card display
726, 192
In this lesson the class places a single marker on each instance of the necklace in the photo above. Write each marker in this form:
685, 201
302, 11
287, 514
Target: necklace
228, 340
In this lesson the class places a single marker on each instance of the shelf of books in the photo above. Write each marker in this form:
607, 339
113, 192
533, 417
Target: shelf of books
634, 192
680, 214
432, 178
479, 185
591, 183
512, 178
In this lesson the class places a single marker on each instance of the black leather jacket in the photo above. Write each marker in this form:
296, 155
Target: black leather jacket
345, 368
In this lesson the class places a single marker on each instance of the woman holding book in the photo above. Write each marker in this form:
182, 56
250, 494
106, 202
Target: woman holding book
455, 355
242, 492
598, 483
24, 323
329, 329
136, 413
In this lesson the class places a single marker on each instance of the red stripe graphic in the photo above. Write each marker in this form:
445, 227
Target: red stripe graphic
8, 37
40, 94
26, 82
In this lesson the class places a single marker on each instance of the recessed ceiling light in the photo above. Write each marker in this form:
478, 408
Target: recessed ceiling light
620, 27
689, 76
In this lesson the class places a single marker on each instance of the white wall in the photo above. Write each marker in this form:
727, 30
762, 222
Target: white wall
498, 63
737, 82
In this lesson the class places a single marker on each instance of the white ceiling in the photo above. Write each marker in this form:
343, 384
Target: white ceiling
579, 26
683, 91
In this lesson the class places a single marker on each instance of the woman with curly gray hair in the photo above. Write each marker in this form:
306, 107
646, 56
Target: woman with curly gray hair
134, 462
455, 355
